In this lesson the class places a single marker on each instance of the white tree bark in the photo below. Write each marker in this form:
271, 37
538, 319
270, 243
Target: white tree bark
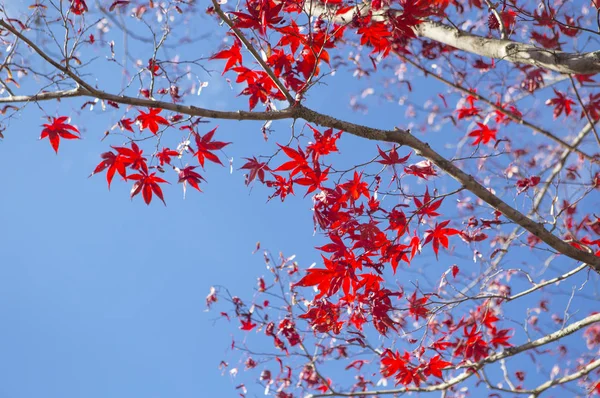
507, 50
511, 51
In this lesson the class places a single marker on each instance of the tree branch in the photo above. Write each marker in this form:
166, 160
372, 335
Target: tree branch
507, 50
402, 137
472, 369
511, 51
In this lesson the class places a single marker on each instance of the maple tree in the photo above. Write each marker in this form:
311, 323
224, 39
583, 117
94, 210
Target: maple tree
429, 238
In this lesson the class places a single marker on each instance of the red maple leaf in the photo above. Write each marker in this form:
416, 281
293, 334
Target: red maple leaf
257, 169
391, 158
324, 143
393, 362
483, 134
355, 187
125, 124
469, 111
165, 156
323, 316
247, 324
151, 120
424, 169
416, 306
500, 338
428, 207
205, 147
297, 163
257, 93
592, 107
78, 7
188, 175
133, 157
525, 183
261, 15
375, 34
313, 178
561, 103
534, 79
330, 279
291, 36
115, 163
233, 56
474, 347
435, 366
148, 185
439, 235
283, 186
59, 129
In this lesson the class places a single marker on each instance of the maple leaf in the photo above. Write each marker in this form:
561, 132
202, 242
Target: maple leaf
133, 157
417, 306
424, 169
393, 362
115, 163
500, 338
483, 134
381, 305
428, 207
534, 79
283, 187
78, 7
324, 143
508, 20
592, 107
561, 103
355, 187
435, 366
233, 56
469, 111
439, 235
148, 185
391, 158
291, 36
261, 15
59, 129
474, 347
323, 316
164, 156
551, 43
151, 120
455, 271
247, 323
257, 92
525, 183
313, 178
257, 169
245, 75
206, 145
125, 124
188, 175
297, 163
330, 279
584, 79
375, 34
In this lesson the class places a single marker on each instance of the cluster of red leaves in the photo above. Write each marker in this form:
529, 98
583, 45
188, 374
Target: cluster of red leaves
363, 238
405, 372
124, 158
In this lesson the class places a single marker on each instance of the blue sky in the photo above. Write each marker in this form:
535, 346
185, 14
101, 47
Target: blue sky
101, 296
